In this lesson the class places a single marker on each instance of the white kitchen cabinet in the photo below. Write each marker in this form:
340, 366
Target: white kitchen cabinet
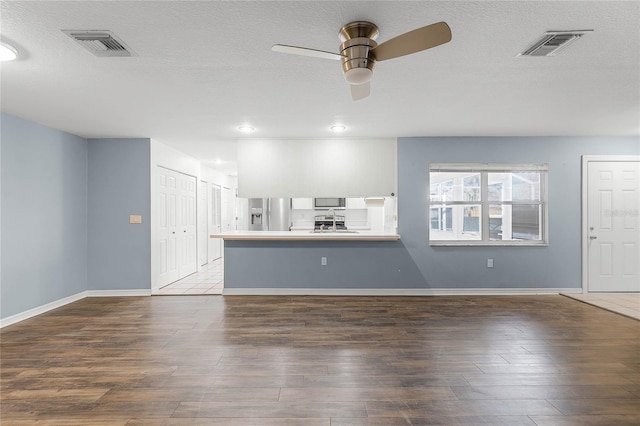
356, 203
302, 203
316, 168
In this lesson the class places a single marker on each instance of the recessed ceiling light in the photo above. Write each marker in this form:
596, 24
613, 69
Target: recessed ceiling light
245, 128
7, 52
338, 128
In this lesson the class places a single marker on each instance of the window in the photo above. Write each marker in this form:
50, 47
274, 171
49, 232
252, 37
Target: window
487, 204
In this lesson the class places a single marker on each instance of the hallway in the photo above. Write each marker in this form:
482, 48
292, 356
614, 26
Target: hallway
210, 280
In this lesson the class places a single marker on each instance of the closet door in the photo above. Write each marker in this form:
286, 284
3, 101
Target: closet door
167, 226
187, 244
203, 223
176, 225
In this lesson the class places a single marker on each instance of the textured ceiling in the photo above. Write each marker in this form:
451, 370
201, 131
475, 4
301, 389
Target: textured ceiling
203, 68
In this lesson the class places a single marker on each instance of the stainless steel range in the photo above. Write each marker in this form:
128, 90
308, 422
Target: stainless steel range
329, 223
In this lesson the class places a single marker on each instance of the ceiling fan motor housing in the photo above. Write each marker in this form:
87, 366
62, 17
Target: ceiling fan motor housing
358, 60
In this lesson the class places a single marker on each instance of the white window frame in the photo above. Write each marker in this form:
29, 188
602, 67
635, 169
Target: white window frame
484, 169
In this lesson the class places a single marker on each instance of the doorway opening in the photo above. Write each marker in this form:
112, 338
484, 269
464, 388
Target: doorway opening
208, 280
203, 207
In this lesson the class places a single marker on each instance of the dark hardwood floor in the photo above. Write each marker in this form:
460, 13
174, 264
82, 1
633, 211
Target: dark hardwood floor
200, 360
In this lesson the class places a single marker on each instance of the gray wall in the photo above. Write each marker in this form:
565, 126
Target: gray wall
296, 264
411, 263
44, 215
557, 265
119, 185
65, 213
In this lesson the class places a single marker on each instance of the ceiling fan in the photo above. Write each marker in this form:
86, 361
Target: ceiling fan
359, 52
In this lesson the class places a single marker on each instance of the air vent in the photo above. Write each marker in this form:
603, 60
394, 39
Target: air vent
101, 43
552, 42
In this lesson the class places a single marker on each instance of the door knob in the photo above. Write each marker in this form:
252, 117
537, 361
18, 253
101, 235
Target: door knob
592, 237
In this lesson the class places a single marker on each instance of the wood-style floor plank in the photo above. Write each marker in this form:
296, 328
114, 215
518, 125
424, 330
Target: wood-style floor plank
321, 361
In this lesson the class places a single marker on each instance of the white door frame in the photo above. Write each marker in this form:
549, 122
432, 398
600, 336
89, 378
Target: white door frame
586, 159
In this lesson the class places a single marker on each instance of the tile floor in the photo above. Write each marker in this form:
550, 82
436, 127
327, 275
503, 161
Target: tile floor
627, 304
209, 280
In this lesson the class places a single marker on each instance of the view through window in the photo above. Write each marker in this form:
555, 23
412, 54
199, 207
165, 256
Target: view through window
487, 204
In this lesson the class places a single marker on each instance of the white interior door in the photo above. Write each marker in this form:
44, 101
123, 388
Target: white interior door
215, 222
613, 207
242, 214
228, 207
203, 222
167, 226
176, 226
188, 229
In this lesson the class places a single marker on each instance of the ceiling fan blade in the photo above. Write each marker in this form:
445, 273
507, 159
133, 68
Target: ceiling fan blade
414, 41
303, 51
360, 91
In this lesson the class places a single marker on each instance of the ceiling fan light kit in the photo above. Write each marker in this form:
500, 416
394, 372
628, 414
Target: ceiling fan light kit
359, 50
358, 75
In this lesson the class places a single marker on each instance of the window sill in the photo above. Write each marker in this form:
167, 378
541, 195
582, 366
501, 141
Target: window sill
487, 244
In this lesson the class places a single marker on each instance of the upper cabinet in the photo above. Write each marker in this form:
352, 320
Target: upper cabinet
317, 168
356, 203
302, 203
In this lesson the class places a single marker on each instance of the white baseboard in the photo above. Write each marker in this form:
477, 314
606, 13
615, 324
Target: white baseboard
4, 322
41, 309
119, 293
394, 291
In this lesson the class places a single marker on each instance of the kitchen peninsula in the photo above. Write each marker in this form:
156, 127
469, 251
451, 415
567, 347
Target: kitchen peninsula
307, 236
307, 262
350, 185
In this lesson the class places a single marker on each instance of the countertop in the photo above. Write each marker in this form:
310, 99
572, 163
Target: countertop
306, 236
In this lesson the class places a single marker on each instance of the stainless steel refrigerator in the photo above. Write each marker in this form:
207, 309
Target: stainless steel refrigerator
269, 214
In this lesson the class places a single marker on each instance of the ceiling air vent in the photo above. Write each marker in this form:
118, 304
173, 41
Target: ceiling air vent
101, 43
552, 42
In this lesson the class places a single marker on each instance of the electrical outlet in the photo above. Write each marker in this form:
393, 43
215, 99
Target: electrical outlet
323, 261
489, 263
135, 218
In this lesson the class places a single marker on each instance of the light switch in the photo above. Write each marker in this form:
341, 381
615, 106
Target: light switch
135, 218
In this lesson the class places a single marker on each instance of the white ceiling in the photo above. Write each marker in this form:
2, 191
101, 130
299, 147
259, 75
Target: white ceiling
203, 68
